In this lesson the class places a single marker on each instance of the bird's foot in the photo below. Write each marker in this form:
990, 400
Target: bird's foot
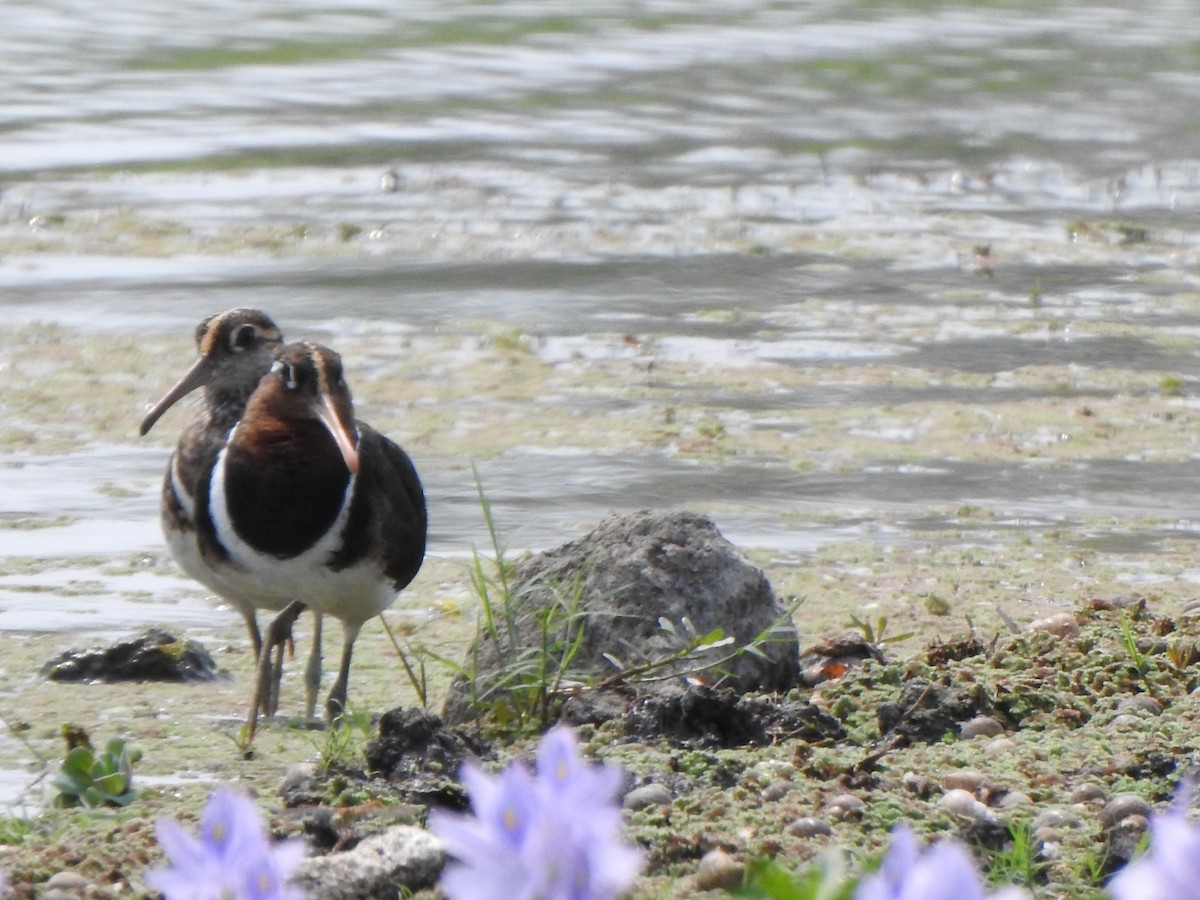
270, 665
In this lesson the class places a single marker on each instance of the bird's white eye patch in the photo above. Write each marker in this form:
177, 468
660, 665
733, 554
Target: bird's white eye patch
288, 372
244, 337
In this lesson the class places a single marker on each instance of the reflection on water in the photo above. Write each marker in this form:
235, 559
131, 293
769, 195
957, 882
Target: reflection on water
952, 192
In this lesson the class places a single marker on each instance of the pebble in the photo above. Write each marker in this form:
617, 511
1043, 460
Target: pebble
68, 881
1191, 608
718, 871
1015, 798
997, 746
1125, 720
777, 790
963, 803
1141, 703
975, 783
981, 726
808, 826
1061, 624
1054, 818
844, 806
1088, 792
296, 775
647, 795
1121, 807
921, 785
65, 886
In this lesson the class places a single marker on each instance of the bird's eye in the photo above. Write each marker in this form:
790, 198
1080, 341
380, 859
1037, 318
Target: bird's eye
244, 337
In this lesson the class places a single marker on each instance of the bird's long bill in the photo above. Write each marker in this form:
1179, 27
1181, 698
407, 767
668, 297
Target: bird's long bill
342, 432
196, 376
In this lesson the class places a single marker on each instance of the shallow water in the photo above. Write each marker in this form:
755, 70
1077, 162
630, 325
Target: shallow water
966, 194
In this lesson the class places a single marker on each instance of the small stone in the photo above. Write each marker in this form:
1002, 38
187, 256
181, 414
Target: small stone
777, 790
66, 886
998, 746
67, 881
808, 826
1045, 835
1052, 817
718, 871
975, 783
653, 794
981, 726
1123, 840
921, 785
1088, 793
1013, 799
1141, 703
402, 857
844, 806
1121, 807
963, 803
1062, 625
1125, 720
296, 775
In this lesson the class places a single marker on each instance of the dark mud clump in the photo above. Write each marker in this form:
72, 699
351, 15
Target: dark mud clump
927, 712
705, 717
422, 757
153, 655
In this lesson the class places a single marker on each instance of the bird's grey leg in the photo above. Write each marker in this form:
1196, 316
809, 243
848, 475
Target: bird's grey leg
335, 706
312, 673
252, 628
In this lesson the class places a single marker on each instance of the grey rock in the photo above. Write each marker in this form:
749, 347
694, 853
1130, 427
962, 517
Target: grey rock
1141, 703
621, 581
66, 886
403, 857
808, 826
1121, 807
777, 790
718, 871
981, 726
1052, 817
68, 881
647, 795
1089, 792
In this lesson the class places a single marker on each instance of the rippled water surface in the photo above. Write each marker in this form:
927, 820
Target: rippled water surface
986, 206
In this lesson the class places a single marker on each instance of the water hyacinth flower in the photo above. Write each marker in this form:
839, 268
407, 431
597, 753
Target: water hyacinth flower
555, 835
231, 859
1171, 867
944, 871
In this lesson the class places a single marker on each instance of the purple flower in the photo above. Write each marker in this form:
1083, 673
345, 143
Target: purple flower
231, 858
944, 871
553, 836
1171, 868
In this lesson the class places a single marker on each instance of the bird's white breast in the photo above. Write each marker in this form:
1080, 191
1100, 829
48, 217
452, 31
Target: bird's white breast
354, 594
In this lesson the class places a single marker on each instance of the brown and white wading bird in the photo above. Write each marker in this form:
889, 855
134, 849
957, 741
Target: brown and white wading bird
234, 350
305, 503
